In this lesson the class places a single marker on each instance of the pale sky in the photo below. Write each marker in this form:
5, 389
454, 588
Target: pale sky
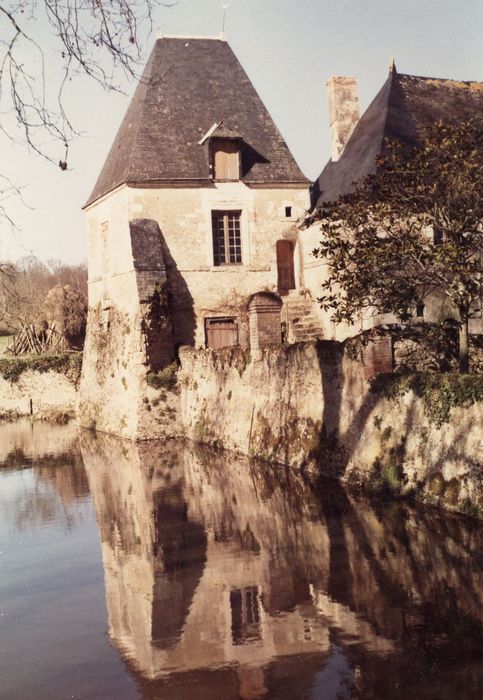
289, 48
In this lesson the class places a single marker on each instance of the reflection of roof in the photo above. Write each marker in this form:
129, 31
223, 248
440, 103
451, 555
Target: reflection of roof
404, 106
187, 86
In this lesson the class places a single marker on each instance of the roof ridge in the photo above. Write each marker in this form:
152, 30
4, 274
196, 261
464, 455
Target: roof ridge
442, 80
393, 77
220, 37
142, 86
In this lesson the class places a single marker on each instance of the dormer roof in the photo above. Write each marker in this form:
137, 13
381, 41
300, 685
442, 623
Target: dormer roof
404, 106
189, 85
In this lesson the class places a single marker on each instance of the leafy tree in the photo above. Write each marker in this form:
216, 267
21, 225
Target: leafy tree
412, 229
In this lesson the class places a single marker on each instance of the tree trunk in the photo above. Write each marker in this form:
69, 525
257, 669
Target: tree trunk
464, 360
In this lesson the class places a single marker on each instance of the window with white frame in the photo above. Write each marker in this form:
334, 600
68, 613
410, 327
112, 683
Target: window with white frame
226, 228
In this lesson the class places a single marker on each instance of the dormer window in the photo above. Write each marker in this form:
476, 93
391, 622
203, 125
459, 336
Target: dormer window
225, 158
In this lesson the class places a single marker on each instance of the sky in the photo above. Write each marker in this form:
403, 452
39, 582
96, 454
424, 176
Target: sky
289, 49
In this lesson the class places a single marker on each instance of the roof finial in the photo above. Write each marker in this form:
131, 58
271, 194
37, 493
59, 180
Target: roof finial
392, 65
222, 33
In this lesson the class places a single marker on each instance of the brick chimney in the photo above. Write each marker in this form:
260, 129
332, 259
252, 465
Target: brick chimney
343, 112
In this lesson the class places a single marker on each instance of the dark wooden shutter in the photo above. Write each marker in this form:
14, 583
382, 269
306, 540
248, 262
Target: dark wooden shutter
221, 333
226, 159
285, 268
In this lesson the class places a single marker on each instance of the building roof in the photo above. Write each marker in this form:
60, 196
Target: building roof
400, 111
188, 85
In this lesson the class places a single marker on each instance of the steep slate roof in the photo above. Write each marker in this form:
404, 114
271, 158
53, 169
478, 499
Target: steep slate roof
402, 108
187, 86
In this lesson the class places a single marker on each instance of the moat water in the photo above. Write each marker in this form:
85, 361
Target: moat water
169, 571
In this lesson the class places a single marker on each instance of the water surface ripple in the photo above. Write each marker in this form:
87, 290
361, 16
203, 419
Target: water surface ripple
163, 570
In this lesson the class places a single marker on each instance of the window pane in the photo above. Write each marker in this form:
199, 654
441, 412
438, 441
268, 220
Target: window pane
218, 238
226, 237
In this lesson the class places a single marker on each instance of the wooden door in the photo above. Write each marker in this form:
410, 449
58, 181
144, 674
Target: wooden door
221, 333
285, 267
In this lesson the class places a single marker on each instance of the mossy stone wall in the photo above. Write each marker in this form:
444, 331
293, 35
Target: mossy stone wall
310, 407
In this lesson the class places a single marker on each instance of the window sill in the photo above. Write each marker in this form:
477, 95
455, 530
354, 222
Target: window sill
227, 266
234, 267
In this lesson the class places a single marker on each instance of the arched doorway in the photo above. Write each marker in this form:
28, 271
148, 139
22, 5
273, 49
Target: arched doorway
285, 267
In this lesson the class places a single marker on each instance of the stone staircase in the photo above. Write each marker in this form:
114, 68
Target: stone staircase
301, 319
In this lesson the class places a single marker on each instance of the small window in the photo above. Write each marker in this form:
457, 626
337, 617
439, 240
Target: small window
226, 159
288, 212
438, 236
420, 310
226, 237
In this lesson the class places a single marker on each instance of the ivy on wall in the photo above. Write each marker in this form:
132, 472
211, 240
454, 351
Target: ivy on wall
439, 392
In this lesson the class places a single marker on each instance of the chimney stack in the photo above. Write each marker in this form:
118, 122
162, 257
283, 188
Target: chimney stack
343, 112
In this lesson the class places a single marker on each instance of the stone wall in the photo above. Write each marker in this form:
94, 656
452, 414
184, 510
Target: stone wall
311, 407
43, 395
129, 329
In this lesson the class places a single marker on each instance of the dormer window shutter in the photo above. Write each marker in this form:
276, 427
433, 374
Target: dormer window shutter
226, 158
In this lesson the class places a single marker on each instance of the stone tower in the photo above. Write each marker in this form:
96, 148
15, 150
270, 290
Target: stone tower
183, 225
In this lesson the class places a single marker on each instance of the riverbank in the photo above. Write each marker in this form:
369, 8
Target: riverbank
43, 387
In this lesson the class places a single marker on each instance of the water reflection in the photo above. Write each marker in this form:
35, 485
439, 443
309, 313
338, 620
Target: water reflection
227, 580
47, 459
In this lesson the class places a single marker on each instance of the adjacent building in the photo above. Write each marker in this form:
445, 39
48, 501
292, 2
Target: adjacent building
402, 109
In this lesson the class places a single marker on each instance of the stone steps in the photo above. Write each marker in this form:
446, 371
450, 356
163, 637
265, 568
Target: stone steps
303, 324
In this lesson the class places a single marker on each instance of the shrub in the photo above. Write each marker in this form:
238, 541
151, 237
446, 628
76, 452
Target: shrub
165, 378
68, 363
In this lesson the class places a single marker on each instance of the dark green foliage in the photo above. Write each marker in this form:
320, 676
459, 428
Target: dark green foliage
165, 378
439, 392
68, 363
377, 241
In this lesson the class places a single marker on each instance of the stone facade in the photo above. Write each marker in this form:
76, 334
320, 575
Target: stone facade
149, 247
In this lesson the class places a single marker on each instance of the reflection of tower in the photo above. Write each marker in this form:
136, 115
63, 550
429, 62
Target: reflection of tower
245, 614
179, 546
209, 573
188, 553
153, 554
